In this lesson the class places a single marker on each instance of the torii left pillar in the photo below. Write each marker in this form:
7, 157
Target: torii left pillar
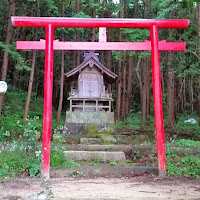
47, 109
50, 45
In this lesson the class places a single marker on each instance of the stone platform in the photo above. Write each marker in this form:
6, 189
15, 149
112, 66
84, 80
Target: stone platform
79, 122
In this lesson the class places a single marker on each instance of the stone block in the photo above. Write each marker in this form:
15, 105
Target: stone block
90, 141
98, 147
108, 139
79, 122
103, 156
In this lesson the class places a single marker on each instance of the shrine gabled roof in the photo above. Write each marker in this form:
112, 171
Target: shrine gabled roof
91, 61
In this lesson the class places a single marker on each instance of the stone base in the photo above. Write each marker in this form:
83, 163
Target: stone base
102, 156
79, 122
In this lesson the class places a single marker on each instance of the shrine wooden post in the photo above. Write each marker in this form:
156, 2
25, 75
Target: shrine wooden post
49, 45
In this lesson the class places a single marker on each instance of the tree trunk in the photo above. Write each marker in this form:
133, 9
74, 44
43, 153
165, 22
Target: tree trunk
148, 86
16, 74
191, 93
198, 10
124, 86
109, 52
170, 98
77, 53
102, 16
129, 86
124, 79
62, 73
119, 86
144, 93
30, 85
136, 9
94, 29
4, 69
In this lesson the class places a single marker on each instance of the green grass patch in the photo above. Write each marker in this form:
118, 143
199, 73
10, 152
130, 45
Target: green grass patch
133, 121
58, 160
188, 166
185, 143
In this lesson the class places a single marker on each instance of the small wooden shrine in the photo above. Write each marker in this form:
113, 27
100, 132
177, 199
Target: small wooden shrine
89, 95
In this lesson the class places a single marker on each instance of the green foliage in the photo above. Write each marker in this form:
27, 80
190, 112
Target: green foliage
185, 143
130, 163
133, 121
46, 190
22, 157
11, 49
95, 162
16, 162
12, 127
58, 160
113, 163
24, 154
146, 143
188, 166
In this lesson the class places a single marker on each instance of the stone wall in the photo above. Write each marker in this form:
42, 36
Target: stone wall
79, 122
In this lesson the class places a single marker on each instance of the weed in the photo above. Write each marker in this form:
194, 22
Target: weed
58, 160
130, 163
95, 162
185, 166
77, 173
133, 121
17, 162
185, 143
46, 192
136, 154
113, 163
146, 143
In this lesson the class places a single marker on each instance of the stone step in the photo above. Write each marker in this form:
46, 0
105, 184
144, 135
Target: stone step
90, 141
143, 150
98, 147
102, 156
102, 170
103, 139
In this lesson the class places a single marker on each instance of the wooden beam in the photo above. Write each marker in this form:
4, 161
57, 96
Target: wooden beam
116, 46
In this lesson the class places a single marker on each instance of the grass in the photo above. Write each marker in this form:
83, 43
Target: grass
185, 143
188, 166
133, 121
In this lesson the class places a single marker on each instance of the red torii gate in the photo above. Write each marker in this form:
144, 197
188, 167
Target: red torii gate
49, 45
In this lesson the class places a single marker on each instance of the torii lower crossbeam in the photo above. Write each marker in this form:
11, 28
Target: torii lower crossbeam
49, 45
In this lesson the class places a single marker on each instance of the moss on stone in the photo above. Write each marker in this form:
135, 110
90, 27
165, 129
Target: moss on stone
91, 130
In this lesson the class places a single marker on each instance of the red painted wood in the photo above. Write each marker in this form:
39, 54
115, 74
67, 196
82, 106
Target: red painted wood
128, 46
47, 109
96, 23
157, 94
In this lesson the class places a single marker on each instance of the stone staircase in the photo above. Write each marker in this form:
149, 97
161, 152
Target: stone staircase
94, 148
110, 152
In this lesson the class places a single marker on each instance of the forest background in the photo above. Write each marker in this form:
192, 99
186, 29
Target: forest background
132, 92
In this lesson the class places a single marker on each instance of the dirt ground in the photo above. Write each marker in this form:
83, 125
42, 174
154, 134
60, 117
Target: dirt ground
129, 188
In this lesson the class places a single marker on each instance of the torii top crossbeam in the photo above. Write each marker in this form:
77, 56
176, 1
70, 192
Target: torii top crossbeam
96, 23
49, 45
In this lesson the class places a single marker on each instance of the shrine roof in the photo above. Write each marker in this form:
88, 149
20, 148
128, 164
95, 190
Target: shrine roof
91, 59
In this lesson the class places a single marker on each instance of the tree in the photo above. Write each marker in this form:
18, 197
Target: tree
30, 86
62, 72
4, 69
